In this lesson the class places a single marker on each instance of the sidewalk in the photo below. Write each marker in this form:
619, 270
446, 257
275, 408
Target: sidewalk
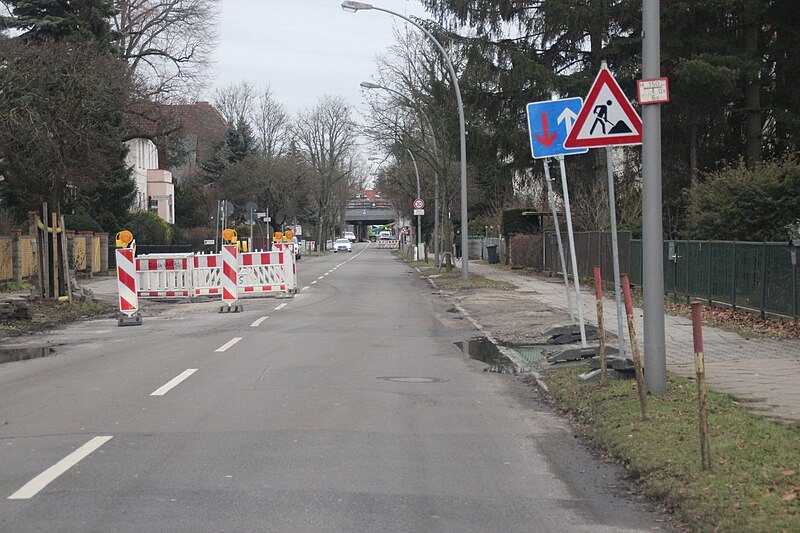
764, 373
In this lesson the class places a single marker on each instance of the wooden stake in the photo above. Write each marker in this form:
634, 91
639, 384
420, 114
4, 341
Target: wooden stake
45, 247
637, 357
702, 392
54, 256
601, 331
65, 257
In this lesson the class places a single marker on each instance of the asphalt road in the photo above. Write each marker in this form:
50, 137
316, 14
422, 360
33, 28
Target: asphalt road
347, 408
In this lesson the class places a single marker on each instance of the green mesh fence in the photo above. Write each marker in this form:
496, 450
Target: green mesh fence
755, 275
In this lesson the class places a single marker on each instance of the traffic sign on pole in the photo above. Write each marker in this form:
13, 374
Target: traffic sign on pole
419, 203
549, 123
607, 118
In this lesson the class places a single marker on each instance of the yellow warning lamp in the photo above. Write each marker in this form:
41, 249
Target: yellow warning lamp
287, 235
124, 238
229, 235
277, 236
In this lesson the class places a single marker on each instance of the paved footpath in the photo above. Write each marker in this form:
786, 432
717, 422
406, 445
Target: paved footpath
764, 373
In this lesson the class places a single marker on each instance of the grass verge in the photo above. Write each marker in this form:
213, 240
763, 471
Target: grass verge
754, 483
452, 280
46, 314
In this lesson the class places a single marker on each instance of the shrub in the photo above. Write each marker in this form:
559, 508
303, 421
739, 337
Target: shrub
82, 222
149, 228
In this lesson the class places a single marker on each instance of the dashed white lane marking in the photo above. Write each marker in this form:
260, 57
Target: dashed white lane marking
228, 344
258, 322
174, 382
314, 282
280, 307
306, 287
32, 487
319, 278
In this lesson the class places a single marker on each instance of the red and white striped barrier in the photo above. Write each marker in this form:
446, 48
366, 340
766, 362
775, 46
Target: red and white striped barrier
206, 274
388, 243
261, 272
230, 270
164, 275
126, 287
289, 255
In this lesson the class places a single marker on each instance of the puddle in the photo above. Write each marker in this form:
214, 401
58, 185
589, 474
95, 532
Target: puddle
23, 354
481, 349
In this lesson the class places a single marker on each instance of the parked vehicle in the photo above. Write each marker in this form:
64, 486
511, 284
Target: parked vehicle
342, 245
349, 235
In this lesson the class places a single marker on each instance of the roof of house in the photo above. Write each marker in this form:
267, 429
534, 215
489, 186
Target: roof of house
200, 123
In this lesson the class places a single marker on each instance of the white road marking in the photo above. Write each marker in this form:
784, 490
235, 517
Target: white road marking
314, 282
259, 322
306, 287
228, 344
161, 391
280, 307
319, 278
32, 487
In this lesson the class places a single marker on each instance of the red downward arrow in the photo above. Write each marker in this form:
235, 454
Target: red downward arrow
548, 140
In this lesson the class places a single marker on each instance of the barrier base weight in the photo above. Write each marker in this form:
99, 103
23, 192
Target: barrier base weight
236, 308
125, 320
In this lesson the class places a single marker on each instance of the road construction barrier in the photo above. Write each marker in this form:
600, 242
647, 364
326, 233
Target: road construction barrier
206, 274
388, 243
126, 282
230, 268
176, 276
165, 276
289, 251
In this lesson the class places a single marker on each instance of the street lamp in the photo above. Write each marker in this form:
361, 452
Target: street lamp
352, 7
372, 85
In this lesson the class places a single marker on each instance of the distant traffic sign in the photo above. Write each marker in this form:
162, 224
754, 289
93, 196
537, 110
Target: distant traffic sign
607, 118
419, 203
549, 123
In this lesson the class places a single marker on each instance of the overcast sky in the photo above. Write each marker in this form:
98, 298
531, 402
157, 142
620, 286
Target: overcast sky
303, 49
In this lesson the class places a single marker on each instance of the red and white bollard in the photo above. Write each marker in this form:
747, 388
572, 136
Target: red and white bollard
129, 314
230, 279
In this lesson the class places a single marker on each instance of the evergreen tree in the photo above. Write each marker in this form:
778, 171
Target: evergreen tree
60, 20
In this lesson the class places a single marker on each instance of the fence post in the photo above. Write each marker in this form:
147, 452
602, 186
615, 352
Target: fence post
88, 238
763, 278
103, 252
733, 278
16, 255
702, 393
688, 264
710, 265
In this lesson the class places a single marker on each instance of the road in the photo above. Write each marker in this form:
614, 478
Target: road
347, 408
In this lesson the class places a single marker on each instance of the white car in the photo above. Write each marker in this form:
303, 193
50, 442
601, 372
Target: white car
342, 245
350, 236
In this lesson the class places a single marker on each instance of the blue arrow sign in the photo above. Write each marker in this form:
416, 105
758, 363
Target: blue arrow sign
549, 124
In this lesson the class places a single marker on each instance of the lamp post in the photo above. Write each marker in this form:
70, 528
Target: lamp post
371, 85
351, 6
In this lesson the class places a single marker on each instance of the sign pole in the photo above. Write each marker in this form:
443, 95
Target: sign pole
612, 209
572, 251
551, 198
655, 356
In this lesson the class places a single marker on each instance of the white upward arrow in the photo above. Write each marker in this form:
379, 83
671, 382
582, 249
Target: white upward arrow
569, 115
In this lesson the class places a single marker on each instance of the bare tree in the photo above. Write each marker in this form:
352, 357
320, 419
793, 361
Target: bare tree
271, 124
236, 102
325, 135
168, 44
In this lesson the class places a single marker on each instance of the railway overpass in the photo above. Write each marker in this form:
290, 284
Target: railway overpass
363, 213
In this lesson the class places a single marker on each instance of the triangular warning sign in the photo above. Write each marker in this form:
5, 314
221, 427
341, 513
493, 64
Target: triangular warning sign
607, 118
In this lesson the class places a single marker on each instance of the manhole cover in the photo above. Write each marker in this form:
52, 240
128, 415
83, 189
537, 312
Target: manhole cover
404, 379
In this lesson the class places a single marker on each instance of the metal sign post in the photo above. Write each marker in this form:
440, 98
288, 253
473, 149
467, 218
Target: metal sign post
551, 198
573, 256
612, 209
